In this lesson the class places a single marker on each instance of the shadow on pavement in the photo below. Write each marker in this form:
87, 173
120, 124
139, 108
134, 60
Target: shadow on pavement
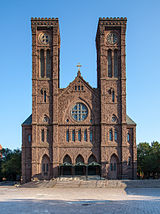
30, 206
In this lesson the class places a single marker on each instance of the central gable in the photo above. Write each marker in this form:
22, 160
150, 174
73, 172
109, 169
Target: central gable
78, 91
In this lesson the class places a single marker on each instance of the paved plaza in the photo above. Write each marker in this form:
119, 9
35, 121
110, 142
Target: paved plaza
79, 200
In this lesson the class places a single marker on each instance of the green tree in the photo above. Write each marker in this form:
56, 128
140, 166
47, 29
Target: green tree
148, 159
11, 164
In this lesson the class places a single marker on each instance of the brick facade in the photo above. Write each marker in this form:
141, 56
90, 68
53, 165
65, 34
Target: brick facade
44, 141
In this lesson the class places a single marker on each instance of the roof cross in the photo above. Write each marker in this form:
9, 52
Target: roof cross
79, 66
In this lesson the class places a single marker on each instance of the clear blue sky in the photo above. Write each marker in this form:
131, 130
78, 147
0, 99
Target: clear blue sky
78, 24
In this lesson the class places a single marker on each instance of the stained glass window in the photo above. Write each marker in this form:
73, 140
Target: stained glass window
79, 112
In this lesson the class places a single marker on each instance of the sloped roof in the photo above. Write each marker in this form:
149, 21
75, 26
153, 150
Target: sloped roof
28, 121
79, 77
130, 121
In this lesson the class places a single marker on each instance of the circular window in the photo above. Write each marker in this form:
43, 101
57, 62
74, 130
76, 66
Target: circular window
79, 112
43, 38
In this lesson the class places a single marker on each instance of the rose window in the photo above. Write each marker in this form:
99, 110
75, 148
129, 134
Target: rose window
44, 38
79, 112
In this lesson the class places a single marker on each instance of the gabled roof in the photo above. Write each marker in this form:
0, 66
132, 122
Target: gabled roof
129, 121
84, 82
28, 121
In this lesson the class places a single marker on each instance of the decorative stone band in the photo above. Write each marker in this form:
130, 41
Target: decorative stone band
44, 21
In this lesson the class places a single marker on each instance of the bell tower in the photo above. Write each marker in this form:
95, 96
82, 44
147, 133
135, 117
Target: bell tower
111, 81
45, 84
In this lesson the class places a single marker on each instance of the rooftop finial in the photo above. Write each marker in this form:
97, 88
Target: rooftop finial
79, 66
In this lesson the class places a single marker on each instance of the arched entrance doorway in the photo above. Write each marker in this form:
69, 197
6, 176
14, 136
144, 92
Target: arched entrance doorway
45, 167
93, 166
80, 168
66, 167
114, 167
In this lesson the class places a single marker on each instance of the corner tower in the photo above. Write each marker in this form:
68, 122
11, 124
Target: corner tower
111, 81
45, 84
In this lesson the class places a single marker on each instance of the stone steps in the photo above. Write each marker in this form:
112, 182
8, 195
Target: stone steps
79, 183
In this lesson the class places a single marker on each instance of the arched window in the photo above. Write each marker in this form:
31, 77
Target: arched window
44, 96
79, 134
115, 63
79, 159
67, 159
128, 137
48, 64
91, 136
73, 135
115, 135
42, 135
67, 135
110, 135
85, 135
113, 96
42, 63
91, 159
109, 63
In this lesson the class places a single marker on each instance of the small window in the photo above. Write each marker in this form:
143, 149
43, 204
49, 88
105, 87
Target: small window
42, 135
75, 88
128, 137
115, 135
82, 87
73, 135
111, 166
79, 88
45, 119
114, 118
113, 97
48, 135
67, 135
79, 135
45, 96
85, 135
114, 167
29, 138
91, 136
110, 135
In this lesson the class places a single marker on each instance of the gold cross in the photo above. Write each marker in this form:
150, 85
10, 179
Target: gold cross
78, 66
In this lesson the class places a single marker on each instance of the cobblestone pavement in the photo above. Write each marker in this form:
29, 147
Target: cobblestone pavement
79, 200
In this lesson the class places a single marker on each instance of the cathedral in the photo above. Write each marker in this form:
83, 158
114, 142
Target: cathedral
79, 130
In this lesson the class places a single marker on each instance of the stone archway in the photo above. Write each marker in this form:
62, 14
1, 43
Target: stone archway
45, 167
66, 168
93, 166
114, 167
80, 168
